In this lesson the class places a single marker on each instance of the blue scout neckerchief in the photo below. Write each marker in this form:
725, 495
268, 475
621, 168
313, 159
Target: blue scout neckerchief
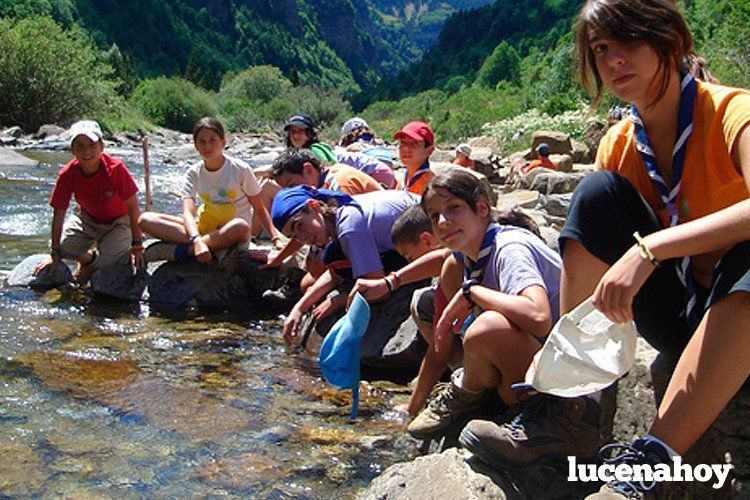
423, 170
669, 195
475, 270
289, 201
339, 353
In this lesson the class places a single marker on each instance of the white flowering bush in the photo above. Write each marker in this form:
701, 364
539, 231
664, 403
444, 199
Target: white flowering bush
573, 123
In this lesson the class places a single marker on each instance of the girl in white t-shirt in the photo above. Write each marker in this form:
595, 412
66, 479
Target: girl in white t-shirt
228, 193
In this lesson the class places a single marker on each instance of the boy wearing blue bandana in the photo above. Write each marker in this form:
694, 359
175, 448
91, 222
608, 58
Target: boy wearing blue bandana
360, 224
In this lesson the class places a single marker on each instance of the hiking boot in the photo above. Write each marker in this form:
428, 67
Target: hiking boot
160, 250
641, 452
452, 407
547, 429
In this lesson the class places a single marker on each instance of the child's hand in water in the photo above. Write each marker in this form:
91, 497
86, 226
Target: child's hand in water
291, 325
202, 252
450, 322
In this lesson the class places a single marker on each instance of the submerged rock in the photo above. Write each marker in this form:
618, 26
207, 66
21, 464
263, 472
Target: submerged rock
127, 390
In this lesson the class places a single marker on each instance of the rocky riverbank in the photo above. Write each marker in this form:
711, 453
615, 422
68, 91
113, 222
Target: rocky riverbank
545, 196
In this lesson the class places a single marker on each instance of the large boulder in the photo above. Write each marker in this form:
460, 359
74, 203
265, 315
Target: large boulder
10, 158
485, 142
549, 182
580, 152
563, 162
454, 473
47, 131
523, 198
23, 274
592, 135
120, 282
558, 142
233, 283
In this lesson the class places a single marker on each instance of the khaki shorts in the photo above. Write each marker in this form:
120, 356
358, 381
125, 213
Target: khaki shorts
81, 233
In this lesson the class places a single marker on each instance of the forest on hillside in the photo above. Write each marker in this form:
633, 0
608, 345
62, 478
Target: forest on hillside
495, 68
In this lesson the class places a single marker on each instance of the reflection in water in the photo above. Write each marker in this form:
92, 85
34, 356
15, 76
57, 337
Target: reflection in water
102, 398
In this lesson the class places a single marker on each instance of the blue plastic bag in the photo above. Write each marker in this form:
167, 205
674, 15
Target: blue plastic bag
339, 353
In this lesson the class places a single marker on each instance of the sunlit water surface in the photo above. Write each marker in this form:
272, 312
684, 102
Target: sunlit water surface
109, 399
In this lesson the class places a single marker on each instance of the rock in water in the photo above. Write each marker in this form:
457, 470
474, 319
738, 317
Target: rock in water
234, 282
22, 274
118, 281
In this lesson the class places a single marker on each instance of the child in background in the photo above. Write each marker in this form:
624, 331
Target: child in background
542, 160
508, 279
104, 226
416, 142
463, 157
229, 193
358, 226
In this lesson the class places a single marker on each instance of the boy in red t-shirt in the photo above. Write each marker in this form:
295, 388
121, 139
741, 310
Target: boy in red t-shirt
104, 225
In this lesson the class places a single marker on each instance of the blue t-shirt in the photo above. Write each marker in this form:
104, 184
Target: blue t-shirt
521, 259
365, 231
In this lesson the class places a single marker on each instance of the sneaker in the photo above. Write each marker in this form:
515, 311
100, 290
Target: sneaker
452, 407
547, 429
289, 292
641, 452
160, 250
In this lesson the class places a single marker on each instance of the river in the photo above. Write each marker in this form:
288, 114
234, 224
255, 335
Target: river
103, 399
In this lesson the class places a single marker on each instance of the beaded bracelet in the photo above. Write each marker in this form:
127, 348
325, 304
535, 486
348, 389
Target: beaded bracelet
645, 251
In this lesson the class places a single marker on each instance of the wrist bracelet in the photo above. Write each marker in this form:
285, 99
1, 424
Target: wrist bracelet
191, 239
388, 283
645, 251
136, 248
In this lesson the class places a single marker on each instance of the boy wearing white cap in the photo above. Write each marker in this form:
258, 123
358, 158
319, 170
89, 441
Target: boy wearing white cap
104, 226
463, 157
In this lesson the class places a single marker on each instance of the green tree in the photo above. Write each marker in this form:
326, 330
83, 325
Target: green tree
173, 102
503, 64
50, 75
258, 83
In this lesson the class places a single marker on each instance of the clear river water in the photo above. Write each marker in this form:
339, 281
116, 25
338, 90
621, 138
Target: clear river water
102, 399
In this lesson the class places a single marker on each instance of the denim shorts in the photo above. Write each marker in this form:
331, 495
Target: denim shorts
605, 211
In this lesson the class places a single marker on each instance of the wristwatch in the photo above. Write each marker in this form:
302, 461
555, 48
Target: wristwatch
466, 289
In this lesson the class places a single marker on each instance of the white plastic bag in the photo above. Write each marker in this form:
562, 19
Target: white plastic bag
584, 353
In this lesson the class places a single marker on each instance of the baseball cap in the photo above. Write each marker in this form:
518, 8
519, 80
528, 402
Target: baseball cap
464, 148
352, 124
89, 128
301, 120
419, 131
